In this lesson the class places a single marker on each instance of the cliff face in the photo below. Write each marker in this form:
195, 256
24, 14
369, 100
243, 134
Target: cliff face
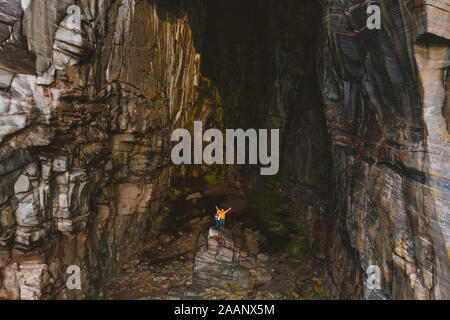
386, 103
84, 133
87, 107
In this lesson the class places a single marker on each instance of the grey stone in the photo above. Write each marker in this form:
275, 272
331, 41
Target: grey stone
27, 213
62, 178
60, 164
193, 196
225, 255
31, 169
176, 293
262, 257
5, 79
264, 277
22, 184
213, 233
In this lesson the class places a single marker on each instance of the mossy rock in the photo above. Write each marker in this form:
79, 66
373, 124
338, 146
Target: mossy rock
215, 176
265, 203
175, 192
298, 247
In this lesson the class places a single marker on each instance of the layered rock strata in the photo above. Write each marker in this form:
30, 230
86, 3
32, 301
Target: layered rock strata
89, 93
386, 103
219, 260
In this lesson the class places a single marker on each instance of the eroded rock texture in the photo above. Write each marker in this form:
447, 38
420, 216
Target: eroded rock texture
218, 260
87, 107
386, 103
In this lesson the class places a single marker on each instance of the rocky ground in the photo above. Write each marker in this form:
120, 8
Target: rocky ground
188, 258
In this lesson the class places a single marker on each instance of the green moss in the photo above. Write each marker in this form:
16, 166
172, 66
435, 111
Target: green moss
175, 192
265, 202
251, 241
278, 296
319, 289
219, 116
313, 288
154, 230
183, 171
298, 246
205, 82
215, 176
280, 229
125, 253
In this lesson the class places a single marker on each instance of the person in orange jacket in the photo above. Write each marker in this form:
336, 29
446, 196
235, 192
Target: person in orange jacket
221, 213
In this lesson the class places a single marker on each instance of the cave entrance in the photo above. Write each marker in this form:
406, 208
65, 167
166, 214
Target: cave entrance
258, 67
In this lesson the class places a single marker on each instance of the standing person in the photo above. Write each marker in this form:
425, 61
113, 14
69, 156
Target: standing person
217, 216
222, 217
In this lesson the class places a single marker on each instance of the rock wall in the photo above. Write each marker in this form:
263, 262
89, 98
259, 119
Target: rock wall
363, 162
221, 259
274, 46
87, 108
386, 103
